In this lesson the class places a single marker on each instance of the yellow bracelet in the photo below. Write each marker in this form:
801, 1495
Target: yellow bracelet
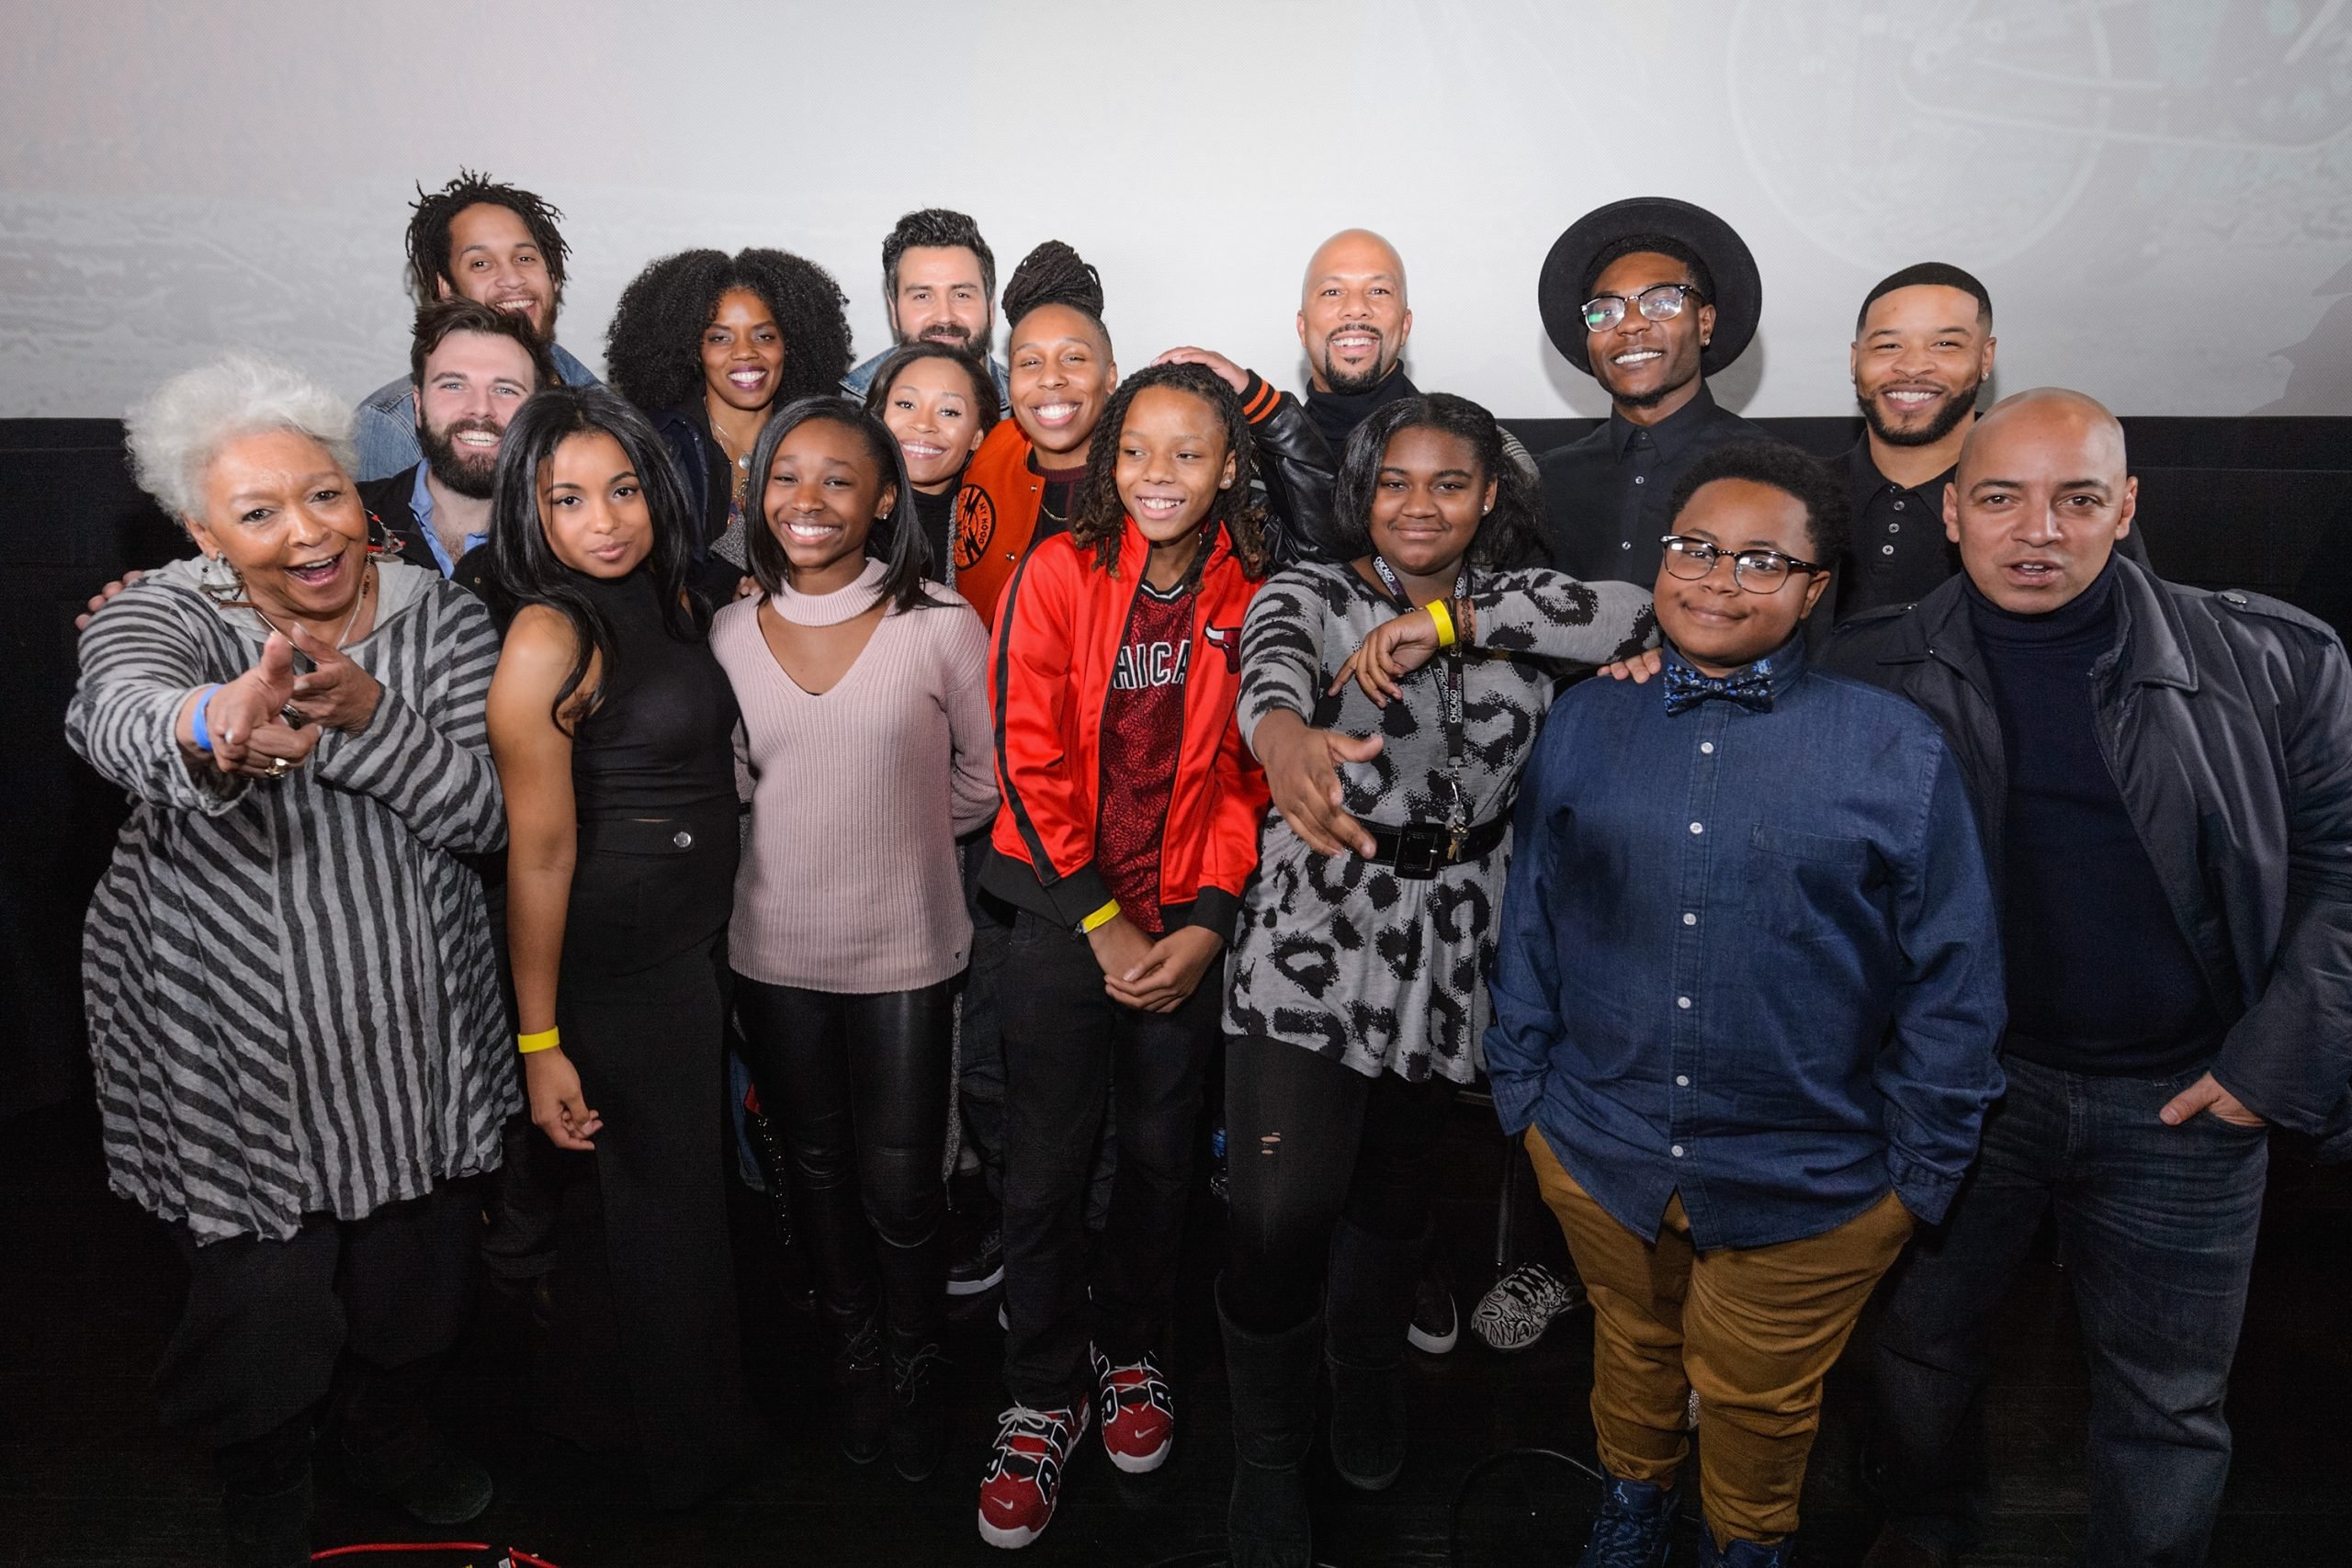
1102, 916
1444, 617
545, 1040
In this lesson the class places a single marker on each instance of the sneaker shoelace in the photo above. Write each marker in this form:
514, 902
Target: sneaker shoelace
1135, 1384
1048, 1430
1525, 1288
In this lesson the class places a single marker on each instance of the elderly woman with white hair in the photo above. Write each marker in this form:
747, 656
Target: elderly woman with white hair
293, 1010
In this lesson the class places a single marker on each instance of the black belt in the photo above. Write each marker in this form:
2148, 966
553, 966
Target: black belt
1421, 851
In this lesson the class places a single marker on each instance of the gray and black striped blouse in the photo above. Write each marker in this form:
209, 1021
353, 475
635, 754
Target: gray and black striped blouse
292, 1000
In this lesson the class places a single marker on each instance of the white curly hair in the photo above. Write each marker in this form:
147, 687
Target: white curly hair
176, 432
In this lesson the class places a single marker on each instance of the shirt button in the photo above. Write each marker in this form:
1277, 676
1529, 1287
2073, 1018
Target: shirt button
1682, 1081
1894, 527
1698, 826
1898, 506
1641, 479
1707, 748
683, 838
1689, 920
1676, 1151
1625, 544
1886, 549
1682, 1002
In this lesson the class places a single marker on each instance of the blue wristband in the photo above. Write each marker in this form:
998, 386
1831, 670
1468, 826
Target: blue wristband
195, 723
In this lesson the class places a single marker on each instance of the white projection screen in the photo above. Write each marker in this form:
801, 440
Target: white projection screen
2158, 192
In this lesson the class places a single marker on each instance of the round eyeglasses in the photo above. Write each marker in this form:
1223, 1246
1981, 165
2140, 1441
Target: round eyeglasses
1659, 302
1757, 572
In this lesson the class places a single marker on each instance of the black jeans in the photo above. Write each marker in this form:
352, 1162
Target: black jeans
271, 1328
2156, 1225
1067, 1045
858, 1087
1307, 1140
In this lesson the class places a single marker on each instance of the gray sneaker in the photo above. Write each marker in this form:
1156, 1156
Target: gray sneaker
1514, 1315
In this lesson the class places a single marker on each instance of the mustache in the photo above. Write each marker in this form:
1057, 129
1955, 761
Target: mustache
947, 332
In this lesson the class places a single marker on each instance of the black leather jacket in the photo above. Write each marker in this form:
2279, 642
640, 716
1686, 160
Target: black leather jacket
1299, 476
2226, 719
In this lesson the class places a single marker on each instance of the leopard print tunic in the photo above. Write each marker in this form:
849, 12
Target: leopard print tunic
1341, 955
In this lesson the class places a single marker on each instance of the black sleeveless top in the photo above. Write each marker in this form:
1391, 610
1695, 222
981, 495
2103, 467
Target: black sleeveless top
661, 742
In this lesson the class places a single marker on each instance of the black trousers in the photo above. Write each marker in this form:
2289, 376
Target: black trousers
1067, 1046
1310, 1140
644, 1350
270, 1328
858, 1086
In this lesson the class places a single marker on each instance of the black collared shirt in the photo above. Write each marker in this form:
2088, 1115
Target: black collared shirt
1899, 554
1607, 497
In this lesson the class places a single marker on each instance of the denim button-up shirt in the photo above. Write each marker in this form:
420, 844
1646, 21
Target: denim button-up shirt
383, 427
1748, 957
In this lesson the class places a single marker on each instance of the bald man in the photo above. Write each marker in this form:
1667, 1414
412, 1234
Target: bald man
2162, 777
1353, 322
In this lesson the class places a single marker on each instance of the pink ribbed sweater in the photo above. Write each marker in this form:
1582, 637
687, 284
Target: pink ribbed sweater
849, 880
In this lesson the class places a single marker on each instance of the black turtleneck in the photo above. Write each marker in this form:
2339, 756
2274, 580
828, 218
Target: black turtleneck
1337, 415
2100, 978
935, 515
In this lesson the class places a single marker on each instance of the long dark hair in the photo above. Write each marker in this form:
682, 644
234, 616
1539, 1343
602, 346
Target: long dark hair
1099, 519
986, 409
653, 349
522, 567
1511, 535
896, 540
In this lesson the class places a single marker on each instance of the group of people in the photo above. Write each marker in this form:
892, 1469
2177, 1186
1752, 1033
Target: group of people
1831, 873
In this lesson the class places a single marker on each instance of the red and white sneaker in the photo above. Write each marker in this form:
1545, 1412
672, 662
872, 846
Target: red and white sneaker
1138, 1413
1024, 1474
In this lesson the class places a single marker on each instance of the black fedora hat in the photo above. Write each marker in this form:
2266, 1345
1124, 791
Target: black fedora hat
1739, 293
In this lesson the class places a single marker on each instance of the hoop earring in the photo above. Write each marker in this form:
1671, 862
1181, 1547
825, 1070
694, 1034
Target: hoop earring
219, 581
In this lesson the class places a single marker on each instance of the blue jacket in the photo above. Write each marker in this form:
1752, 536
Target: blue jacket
1749, 957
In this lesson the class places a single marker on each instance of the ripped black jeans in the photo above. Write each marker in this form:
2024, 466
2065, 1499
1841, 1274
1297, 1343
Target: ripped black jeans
1308, 1141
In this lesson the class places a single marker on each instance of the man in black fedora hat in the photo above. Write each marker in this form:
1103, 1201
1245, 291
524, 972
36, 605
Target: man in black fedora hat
1649, 297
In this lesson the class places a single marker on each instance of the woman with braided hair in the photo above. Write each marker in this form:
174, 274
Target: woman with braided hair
1020, 486
708, 345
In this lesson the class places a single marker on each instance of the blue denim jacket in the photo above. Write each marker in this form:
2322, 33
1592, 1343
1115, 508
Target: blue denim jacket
1749, 957
384, 424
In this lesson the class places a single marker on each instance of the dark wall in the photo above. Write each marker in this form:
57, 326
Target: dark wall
2258, 504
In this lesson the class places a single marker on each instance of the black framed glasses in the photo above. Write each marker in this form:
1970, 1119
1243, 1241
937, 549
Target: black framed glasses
1757, 572
1660, 303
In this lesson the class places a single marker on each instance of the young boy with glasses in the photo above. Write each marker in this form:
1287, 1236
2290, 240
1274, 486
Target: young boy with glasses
1745, 1009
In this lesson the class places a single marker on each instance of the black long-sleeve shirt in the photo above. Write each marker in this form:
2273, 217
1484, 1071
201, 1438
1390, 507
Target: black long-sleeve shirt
1607, 497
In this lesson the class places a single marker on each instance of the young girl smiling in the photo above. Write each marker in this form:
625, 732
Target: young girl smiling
1128, 829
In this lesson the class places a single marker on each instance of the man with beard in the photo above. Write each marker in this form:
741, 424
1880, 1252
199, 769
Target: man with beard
1648, 296
470, 367
1354, 320
478, 239
1923, 344
939, 285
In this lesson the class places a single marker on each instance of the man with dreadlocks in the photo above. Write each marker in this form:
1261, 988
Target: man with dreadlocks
481, 240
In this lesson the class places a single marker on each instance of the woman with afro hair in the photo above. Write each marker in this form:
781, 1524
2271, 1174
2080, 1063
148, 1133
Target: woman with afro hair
708, 345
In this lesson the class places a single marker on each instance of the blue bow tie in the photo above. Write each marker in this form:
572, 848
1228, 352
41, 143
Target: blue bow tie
1751, 688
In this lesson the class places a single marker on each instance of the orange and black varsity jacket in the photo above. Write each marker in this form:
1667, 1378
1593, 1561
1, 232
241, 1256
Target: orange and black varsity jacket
1059, 628
996, 510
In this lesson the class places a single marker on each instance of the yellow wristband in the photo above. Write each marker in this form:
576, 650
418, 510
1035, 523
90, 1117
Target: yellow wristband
1444, 617
545, 1039
1102, 916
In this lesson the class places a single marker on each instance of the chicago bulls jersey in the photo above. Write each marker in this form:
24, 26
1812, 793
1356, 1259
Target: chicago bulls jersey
1143, 724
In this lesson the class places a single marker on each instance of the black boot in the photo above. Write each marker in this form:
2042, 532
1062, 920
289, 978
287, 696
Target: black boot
914, 1293
265, 1499
1272, 1377
390, 1450
865, 1385
1369, 1307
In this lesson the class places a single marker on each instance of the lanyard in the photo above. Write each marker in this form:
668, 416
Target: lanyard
1457, 809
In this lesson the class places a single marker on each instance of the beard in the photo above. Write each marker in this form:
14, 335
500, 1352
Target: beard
954, 334
468, 473
1648, 400
1363, 381
1957, 407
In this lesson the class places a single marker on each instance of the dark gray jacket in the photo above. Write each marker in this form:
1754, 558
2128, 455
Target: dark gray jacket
2226, 719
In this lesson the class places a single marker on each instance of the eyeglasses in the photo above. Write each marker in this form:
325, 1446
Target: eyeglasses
1660, 303
1758, 572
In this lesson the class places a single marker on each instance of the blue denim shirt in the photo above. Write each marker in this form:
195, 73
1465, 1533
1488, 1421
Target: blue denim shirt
861, 377
420, 500
1749, 957
384, 424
